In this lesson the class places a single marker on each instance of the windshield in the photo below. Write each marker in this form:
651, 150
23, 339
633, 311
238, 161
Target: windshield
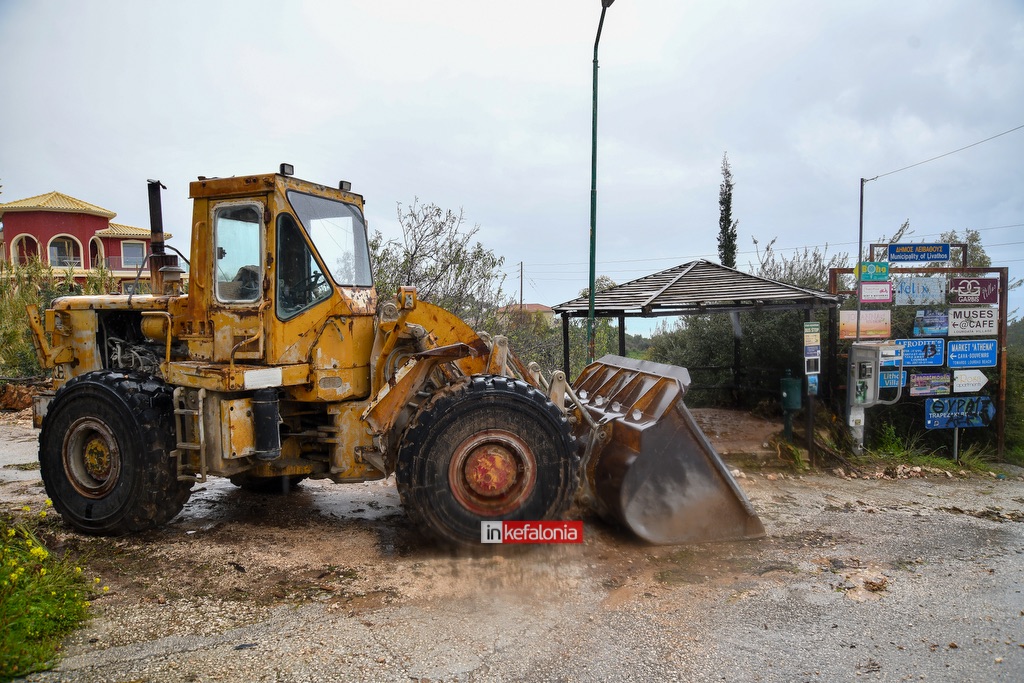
339, 235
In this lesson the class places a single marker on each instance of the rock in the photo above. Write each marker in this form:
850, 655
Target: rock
15, 397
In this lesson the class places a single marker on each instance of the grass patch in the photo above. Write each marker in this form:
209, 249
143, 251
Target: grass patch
891, 448
43, 597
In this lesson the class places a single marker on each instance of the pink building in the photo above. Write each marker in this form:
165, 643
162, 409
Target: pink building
69, 233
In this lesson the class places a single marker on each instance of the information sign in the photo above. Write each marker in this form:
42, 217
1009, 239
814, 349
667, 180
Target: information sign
974, 290
931, 324
957, 412
923, 352
969, 322
930, 384
974, 353
876, 292
968, 381
918, 291
891, 379
873, 324
918, 252
874, 271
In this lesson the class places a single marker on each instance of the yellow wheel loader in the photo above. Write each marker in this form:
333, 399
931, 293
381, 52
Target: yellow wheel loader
280, 363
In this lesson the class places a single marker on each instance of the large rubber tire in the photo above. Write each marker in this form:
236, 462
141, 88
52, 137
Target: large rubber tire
270, 485
104, 454
493, 448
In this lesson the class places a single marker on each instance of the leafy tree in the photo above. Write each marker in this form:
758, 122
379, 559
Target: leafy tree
726, 224
805, 268
438, 256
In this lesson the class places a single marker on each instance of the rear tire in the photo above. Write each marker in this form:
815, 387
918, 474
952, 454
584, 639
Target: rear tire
104, 454
493, 448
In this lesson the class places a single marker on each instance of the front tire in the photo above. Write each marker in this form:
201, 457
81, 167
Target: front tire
104, 454
493, 448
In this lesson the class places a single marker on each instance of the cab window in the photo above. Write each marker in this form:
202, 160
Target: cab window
300, 280
239, 250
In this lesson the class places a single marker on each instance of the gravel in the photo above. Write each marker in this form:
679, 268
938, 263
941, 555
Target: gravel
879, 579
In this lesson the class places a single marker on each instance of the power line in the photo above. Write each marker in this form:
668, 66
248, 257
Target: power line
973, 144
683, 259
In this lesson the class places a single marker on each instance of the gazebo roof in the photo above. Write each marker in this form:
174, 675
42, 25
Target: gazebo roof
697, 287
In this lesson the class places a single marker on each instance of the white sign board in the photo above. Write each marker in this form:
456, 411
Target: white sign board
876, 292
968, 381
917, 291
968, 322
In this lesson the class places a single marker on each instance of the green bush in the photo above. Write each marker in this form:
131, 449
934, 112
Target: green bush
43, 597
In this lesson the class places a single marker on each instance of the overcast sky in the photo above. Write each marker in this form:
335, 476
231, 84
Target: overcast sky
486, 106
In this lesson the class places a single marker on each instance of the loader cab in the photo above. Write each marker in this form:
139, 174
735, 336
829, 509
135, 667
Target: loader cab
281, 276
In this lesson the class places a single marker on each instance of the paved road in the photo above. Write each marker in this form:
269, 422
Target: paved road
889, 580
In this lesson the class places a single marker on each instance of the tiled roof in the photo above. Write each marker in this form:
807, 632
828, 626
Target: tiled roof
55, 201
118, 230
697, 286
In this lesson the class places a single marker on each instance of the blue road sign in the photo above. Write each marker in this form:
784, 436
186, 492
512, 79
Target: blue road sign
962, 411
891, 379
918, 252
923, 352
972, 353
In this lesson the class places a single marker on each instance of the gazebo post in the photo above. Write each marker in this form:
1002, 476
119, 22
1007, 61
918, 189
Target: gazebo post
565, 343
810, 410
622, 334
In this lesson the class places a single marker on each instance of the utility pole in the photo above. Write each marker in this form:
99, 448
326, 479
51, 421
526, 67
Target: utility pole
520, 287
605, 4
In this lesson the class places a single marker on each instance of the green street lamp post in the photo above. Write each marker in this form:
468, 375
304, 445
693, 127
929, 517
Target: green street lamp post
605, 4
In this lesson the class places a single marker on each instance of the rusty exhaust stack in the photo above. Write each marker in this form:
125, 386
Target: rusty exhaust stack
158, 257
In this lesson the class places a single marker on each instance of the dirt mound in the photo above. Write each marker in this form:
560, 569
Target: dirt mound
736, 432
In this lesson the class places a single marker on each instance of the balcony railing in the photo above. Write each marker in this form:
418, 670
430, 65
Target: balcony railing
118, 263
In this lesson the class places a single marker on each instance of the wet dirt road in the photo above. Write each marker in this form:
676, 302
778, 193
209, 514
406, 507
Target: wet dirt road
891, 580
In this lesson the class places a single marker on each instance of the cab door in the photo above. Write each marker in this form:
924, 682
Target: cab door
239, 287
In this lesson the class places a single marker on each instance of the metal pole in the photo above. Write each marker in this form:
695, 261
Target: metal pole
860, 254
593, 194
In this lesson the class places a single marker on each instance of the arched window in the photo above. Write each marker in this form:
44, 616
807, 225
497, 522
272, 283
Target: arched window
65, 251
96, 256
23, 249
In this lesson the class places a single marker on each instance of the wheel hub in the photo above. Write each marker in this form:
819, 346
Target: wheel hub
490, 470
492, 473
92, 459
96, 458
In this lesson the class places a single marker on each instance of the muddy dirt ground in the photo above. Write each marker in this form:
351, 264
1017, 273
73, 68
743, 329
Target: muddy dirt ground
858, 579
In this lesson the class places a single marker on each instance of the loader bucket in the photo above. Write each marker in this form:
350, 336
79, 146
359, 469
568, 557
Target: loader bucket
654, 471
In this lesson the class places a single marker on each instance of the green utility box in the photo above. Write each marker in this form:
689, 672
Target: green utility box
792, 392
